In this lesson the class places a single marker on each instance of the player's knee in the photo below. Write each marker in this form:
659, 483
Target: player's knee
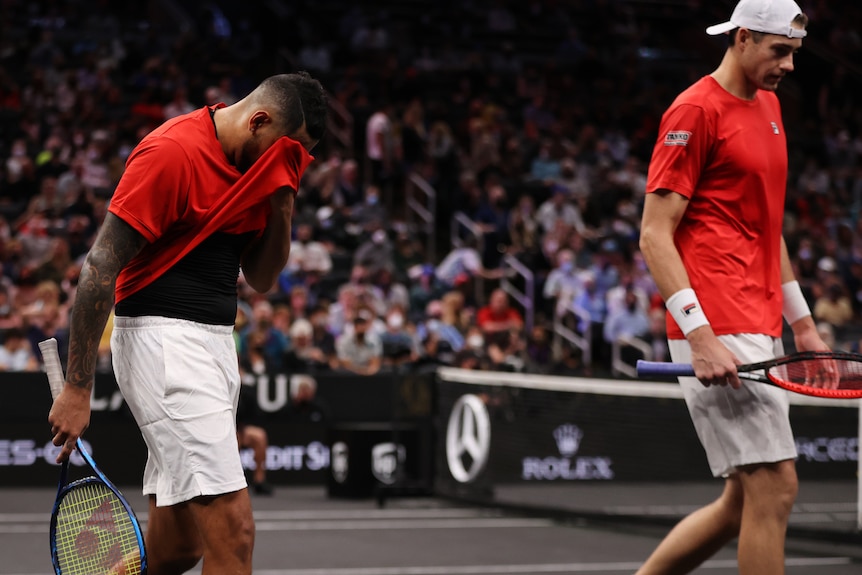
774, 488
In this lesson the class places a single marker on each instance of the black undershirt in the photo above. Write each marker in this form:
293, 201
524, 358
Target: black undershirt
201, 287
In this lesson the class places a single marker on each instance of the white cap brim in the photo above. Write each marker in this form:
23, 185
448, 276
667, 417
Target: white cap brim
721, 28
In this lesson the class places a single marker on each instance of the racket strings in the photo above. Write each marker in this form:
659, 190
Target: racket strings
827, 373
94, 534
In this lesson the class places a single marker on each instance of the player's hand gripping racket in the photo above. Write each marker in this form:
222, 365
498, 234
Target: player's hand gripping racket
93, 528
834, 375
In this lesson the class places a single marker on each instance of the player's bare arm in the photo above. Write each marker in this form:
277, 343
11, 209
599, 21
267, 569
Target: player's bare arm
267, 255
663, 210
116, 244
805, 335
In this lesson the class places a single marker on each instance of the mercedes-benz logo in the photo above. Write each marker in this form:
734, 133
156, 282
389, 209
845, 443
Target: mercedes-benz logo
468, 433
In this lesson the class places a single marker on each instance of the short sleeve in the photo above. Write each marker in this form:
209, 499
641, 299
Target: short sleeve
472, 262
153, 191
681, 150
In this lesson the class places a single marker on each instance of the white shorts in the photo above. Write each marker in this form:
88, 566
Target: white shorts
181, 381
739, 426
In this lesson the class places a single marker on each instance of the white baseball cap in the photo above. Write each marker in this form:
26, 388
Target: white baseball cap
767, 16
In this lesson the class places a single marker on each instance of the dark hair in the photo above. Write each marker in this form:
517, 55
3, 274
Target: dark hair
314, 102
283, 95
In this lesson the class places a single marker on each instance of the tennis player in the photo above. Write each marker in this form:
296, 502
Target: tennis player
712, 237
202, 196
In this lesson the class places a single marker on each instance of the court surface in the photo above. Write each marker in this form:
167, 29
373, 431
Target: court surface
301, 531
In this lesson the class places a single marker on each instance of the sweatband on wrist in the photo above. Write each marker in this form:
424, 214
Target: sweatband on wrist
795, 307
686, 311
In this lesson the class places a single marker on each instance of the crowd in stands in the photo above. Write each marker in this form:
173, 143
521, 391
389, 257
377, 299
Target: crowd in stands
534, 121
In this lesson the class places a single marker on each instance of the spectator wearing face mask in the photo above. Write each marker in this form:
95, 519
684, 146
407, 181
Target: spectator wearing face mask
399, 345
375, 253
563, 281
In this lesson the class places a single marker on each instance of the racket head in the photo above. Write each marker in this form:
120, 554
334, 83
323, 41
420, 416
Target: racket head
94, 530
833, 375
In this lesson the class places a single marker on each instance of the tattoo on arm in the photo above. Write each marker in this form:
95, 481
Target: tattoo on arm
116, 244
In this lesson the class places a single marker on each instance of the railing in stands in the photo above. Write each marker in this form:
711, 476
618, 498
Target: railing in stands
526, 297
564, 313
620, 366
425, 211
460, 222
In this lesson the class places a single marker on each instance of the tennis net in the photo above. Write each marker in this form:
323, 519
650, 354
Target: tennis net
617, 449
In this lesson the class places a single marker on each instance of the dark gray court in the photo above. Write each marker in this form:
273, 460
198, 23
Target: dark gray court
301, 531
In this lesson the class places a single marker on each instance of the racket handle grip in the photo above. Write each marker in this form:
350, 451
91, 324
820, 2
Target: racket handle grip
51, 357
664, 369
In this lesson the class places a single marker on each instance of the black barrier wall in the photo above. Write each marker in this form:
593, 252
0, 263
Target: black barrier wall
493, 435
298, 442
533, 436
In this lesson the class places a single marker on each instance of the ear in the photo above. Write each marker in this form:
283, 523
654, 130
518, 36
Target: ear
743, 37
258, 119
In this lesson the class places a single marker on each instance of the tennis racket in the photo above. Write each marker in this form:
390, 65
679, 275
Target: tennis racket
93, 528
834, 375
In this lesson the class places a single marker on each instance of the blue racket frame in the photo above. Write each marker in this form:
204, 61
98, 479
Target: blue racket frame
99, 477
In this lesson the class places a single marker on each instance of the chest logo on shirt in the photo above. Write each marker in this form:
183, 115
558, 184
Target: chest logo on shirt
775, 129
677, 138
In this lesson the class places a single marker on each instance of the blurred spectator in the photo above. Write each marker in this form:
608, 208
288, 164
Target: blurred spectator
380, 147
305, 405
298, 302
359, 351
424, 288
376, 252
302, 354
833, 307
440, 324
556, 209
504, 350
628, 320
250, 435
264, 345
498, 315
399, 345
16, 354
394, 293
524, 228
563, 281
539, 355
464, 263
306, 254
179, 105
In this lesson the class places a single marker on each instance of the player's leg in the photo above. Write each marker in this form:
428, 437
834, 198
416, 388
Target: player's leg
769, 492
255, 438
172, 540
226, 527
700, 535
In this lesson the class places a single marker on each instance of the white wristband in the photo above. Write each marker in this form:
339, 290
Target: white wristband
795, 307
686, 310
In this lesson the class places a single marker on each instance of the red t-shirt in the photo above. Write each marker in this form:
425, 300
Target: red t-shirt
178, 188
728, 156
486, 315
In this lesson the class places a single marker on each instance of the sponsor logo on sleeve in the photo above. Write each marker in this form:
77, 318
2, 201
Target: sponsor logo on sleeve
775, 129
677, 138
